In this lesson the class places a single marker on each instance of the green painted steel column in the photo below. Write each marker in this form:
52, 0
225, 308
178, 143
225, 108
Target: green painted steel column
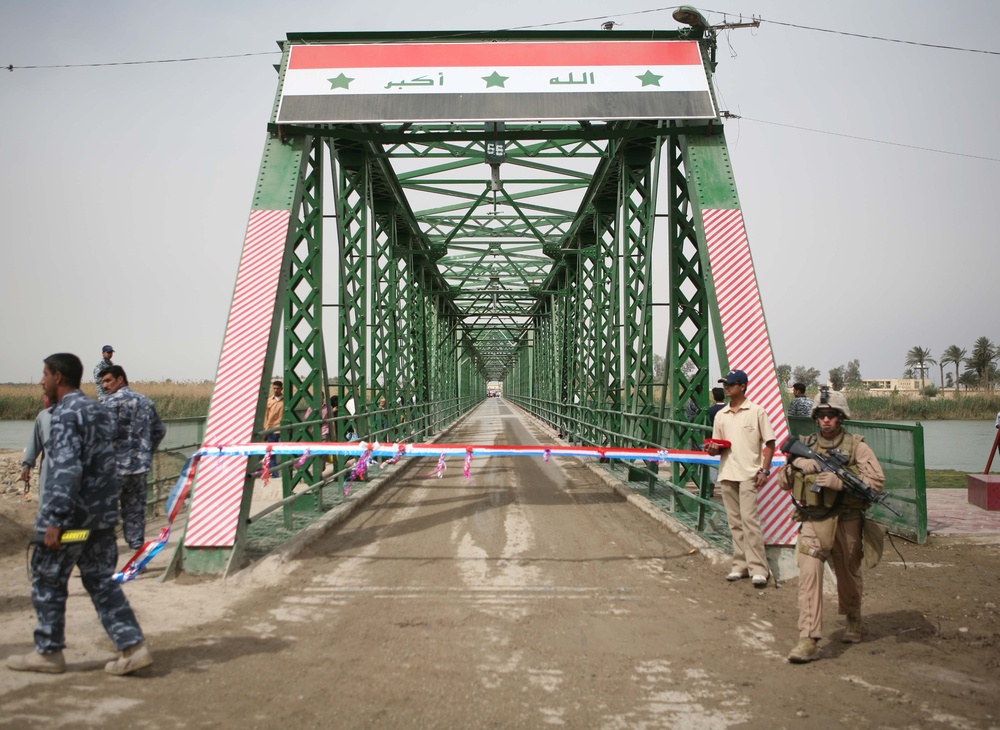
305, 378
688, 352
353, 206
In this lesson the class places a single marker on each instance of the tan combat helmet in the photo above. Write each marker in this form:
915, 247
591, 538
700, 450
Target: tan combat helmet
827, 398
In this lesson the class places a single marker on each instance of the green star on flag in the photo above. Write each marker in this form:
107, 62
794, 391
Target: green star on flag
494, 79
341, 82
649, 78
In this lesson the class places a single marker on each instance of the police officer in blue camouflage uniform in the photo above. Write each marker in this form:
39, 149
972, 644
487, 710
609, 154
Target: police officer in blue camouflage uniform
81, 492
106, 352
138, 431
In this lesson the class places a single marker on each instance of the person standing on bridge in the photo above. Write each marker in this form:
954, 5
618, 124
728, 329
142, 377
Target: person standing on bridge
801, 405
106, 352
273, 412
719, 398
138, 432
832, 522
743, 469
36, 449
80, 493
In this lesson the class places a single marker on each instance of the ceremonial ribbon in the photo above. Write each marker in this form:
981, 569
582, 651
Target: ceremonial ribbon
395, 451
152, 548
359, 470
467, 469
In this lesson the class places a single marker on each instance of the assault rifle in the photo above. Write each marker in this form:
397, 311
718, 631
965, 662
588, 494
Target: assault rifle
836, 462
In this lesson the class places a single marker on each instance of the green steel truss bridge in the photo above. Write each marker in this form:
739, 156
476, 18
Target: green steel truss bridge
436, 212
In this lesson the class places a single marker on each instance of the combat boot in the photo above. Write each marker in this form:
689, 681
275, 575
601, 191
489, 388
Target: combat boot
852, 634
807, 650
130, 660
54, 663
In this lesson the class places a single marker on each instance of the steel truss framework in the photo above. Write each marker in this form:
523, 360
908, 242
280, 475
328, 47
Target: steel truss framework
449, 270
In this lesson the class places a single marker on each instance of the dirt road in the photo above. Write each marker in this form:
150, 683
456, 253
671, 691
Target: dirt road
531, 595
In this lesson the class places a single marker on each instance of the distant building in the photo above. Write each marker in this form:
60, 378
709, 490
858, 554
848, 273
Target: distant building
890, 385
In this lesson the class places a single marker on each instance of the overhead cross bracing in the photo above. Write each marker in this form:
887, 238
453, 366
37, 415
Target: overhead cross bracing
445, 212
498, 237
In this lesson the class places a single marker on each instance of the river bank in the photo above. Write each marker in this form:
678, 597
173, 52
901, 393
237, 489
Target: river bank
21, 401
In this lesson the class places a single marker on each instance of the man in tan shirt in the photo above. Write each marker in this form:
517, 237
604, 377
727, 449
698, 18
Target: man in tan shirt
272, 415
275, 410
743, 469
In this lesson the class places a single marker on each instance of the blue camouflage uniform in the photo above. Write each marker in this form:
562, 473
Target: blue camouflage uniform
138, 431
81, 491
102, 394
800, 407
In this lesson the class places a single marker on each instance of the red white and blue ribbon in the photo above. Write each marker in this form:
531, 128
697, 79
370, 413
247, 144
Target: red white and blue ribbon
153, 547
394, 451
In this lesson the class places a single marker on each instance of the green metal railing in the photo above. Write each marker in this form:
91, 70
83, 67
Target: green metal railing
406, 422
687, 492
184, 436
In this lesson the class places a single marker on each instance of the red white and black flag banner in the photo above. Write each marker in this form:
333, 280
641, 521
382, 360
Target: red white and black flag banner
479, 82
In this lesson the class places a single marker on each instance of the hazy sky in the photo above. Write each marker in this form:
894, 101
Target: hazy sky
125, 189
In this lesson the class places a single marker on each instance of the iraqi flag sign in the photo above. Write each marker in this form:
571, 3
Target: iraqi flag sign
480, 82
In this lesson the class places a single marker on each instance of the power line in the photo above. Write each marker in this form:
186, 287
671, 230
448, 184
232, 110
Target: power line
887, 40
11, 67
884, 39
727, 115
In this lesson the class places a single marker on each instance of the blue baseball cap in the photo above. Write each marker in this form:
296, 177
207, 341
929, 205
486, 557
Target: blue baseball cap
735, 377
107, 348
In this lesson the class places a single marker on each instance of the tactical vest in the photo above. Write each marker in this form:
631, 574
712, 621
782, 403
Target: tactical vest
827, 502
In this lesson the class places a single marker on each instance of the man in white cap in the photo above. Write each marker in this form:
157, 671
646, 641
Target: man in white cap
744, 467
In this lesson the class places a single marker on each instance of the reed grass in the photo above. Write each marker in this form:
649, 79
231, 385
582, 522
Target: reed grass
973, 405
173, 399
186, 399
970, 406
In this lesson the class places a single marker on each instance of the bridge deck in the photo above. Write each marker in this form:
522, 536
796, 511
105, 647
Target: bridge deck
529, 595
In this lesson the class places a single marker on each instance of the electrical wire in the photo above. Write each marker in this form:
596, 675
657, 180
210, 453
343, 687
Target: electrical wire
12, 67
728, 115
884, 39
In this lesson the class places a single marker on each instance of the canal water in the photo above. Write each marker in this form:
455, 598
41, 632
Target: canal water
960, 445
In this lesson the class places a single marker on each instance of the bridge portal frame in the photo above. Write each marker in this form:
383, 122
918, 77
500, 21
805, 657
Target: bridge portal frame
571, 328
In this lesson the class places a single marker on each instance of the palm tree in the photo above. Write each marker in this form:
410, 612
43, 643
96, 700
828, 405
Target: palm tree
954, 355
918, 357
984, 353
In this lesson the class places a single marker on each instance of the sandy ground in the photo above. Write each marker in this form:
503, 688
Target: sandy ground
530, 595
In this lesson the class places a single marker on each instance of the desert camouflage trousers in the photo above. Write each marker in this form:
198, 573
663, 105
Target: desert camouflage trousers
97, 560
134, 508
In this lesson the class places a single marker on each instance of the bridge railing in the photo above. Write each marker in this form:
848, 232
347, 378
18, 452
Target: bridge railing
397, 423
184, 437
686, 490
401, 423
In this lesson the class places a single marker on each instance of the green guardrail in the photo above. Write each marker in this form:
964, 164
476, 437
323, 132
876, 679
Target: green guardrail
685, 490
